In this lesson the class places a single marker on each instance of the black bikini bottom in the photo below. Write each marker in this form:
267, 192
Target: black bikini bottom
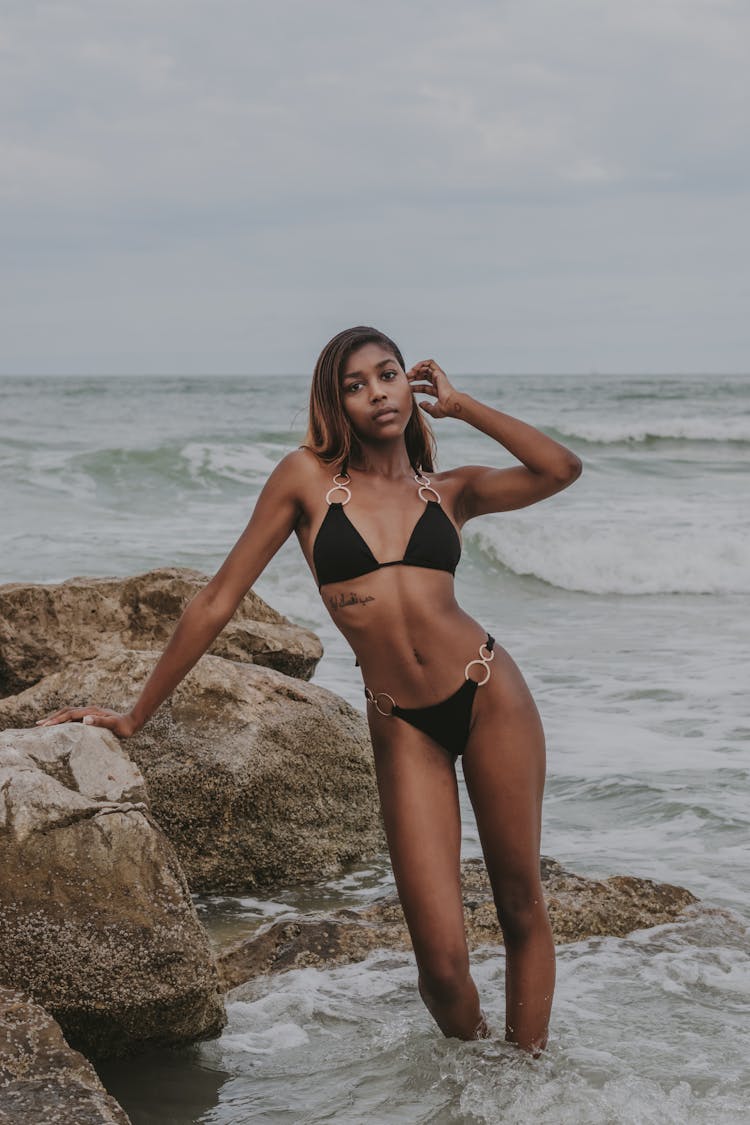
448, 721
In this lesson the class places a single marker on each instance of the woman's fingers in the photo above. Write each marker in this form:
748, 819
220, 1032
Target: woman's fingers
426, 366
53, 715
422, 381
434, 409
428, 377
66, 715
56, 717
122, 723
96, 720
423, 377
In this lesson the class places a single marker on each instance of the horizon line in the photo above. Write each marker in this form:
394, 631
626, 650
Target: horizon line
308, 374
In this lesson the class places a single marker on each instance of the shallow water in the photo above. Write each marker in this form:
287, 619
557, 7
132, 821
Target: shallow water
351, 1044
624, 600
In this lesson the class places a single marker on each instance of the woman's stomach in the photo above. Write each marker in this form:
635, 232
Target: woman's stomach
405, 627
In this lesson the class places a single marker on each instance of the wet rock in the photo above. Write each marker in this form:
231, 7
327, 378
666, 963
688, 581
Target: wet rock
96, 919
257, 778
45, 626
302, 942
578, 908
42, 1079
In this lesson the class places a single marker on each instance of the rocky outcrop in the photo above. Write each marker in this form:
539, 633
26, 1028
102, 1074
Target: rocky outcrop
578, 908
44, 627
42, 1080
257, 778
96, 919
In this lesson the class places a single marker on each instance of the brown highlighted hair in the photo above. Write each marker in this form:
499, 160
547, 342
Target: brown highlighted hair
330, 434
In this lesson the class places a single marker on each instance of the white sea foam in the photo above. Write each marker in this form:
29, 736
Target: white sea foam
230, 461
619, 558
355, 1043
624, 429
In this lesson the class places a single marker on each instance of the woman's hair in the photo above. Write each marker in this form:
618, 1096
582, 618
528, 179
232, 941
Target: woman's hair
330, 434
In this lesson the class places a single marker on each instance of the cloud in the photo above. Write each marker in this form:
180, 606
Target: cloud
181, 164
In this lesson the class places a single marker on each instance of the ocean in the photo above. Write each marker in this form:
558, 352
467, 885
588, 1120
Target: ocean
625, 601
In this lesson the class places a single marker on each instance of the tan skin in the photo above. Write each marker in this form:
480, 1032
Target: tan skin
412, 640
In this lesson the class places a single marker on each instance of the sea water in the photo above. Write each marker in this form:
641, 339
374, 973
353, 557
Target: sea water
624, 600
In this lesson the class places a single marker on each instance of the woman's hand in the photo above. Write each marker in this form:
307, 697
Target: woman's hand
427, 378
122, 724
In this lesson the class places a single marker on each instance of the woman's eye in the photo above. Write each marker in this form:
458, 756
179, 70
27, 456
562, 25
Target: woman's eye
353, 386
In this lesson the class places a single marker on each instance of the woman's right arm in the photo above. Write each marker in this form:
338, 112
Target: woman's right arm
274, 517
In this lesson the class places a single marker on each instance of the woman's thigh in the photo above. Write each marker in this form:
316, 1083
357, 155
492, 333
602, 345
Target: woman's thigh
420, 804
504, 766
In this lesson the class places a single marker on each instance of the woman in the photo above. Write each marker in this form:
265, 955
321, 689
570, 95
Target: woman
382, 541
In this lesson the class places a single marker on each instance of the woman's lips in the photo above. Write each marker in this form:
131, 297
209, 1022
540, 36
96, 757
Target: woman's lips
385, 416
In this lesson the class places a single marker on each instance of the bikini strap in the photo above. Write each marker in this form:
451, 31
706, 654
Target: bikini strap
425, 486
340, 486
342, 480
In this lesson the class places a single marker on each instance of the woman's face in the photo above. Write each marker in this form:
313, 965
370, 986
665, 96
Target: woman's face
374, 381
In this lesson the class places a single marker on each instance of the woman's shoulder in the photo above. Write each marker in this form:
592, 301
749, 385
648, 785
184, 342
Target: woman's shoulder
302, 473
306, 464
301, 462
459, 475
452, 484
455, 477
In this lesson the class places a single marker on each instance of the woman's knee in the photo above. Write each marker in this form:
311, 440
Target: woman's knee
521, 910
444, 973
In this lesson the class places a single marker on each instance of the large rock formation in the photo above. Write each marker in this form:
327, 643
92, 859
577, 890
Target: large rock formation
257, 778
96, 919
42, 1080
577, 908
43, 627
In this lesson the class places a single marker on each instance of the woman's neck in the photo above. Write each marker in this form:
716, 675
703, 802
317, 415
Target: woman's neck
391, 464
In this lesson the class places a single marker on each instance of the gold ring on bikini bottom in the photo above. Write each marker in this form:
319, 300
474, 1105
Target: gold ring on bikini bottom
484, 661
374, 699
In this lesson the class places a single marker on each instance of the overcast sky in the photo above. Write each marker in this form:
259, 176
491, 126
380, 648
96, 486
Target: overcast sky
220, 186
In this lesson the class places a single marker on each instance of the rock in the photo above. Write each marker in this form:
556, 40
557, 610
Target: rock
577, 908
257, 778
44, 627
313, 942
96, 919
42, 1080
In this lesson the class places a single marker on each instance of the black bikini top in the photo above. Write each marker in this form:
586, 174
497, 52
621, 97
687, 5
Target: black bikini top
340, 553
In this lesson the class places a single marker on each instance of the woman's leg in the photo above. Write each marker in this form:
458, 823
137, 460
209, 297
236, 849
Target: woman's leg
419, 799
504, 766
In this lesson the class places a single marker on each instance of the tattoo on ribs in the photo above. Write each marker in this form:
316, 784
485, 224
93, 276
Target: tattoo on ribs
340, 600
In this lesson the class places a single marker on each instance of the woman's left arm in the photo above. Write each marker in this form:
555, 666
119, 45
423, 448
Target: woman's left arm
548, 466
